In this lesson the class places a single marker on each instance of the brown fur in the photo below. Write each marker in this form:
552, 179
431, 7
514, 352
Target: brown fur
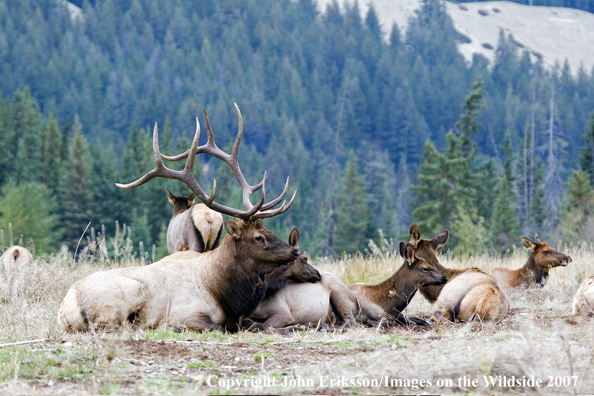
191, 290
536, 270
471, 295
192, 227
385, 302
583, 302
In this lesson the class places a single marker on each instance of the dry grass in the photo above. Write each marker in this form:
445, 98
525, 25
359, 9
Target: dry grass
539, 338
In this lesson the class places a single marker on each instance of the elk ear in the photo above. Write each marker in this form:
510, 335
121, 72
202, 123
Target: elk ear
415, 234
527, 243
233, 229
259, 224
440, 239
409, 252
191, 199
538, 239
402, 249
170, 196
294, 238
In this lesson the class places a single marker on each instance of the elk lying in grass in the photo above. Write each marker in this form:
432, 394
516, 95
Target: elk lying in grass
536, 270
425, 248
583, 302
192, 227
385, 302
471, 295
199, 291
290, 301
14, 264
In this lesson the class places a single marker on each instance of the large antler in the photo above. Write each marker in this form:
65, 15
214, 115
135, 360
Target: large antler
258, 211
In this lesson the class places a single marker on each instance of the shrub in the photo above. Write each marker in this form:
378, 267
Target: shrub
483, 12
487, 46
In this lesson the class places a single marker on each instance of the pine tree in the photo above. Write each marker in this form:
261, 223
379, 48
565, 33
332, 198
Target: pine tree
8, 141
468, 126
505, 227
352, 214
27, 124
587, 155
75, 211
52, 145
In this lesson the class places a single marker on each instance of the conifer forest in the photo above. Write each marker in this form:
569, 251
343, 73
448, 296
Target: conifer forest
375, 126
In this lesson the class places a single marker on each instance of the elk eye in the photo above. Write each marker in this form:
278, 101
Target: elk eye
259, 239
426, 269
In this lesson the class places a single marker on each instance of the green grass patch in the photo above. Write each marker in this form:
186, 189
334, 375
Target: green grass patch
263, 355
205, 364
344, 345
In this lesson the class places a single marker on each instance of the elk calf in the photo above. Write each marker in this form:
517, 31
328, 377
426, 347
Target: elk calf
291, 301
192, 227
471, 295
583, 302
536, 270
386, 301
14, 264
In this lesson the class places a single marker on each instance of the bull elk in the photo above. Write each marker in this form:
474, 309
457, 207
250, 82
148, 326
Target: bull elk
199, 291
385, 302
291, 301
192, 227
14, 264
536, 270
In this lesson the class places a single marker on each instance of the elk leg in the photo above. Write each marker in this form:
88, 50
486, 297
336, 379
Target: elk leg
202, 324
345, 306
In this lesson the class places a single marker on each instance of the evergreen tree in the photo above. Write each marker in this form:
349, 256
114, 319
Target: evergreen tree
352, 213
75, 211
8, 141
52, 145
29, 208
587, 155
505, 227
468, 126
27, 124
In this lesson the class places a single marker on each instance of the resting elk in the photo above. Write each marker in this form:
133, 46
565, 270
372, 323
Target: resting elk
14, 264
385, 302
199, 291
536, 270
469, 293
290, 301
583, 302
192, 227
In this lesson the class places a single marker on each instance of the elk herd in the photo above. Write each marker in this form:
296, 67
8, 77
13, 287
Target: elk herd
252, 280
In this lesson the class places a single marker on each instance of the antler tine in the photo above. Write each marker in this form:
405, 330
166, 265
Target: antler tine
210, 141
192, 152
159, 167
282, 209
239, 133
275, 202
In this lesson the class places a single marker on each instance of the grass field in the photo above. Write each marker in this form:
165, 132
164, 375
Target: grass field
539, 340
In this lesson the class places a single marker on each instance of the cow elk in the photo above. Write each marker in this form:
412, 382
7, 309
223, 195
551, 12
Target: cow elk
385, 302
291, 301
536, 270
192, 227
583, 302
471, 295
15, 263
199, 291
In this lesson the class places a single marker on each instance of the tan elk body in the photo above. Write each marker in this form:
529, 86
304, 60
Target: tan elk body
468, 294
188, 289
15, 263
298, 302
192, 227
536, 270
471, 295
583, 301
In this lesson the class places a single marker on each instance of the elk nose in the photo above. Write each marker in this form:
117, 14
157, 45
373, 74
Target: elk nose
295, 253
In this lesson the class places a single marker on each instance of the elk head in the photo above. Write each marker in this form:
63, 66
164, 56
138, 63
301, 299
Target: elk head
180, 203
250, 239
421, 273
425, 248
544, 255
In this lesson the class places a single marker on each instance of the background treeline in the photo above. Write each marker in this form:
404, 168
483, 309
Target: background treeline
586, 5
360, 124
